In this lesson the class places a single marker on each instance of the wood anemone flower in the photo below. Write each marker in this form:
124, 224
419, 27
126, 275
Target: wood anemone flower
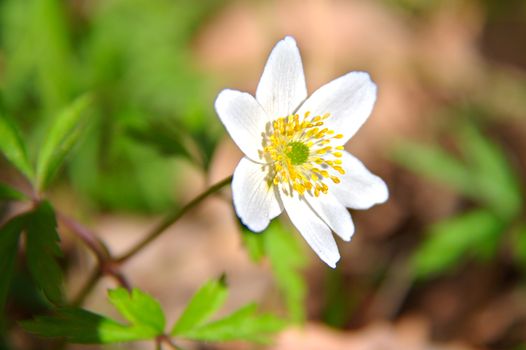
294, 156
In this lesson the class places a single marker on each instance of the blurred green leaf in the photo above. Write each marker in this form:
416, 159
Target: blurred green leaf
9, 193
120, 179
437, 164
139, 309
38, 53
9, 237
63, 135
519, 246
254, 243
339, 301
168, 137
449, 241
491, 172
165, 80
486, 174
287, 258
244, 324
81, 326
208, 299
84, 327
13, 148
43, 249
50, 37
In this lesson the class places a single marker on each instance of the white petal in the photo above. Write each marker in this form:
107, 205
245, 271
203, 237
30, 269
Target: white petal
349, 99
243, 118
282, 87
255, 202
335, 215
313, 229
359, 188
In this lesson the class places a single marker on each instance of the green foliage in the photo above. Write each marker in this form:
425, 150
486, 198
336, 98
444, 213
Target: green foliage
144, 314
50, 57
339, 303
9, 193
147, 321
435, 163
43, 249
496, 182
169, 138
519, 245
449, 241
13, 148
9, 237
64, 134
38, 53
485, 175
208, 299
244, 324
254, 243
84, 327
286, 258
139, 309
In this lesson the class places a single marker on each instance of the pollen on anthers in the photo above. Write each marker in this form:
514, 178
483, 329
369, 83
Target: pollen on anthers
300, 154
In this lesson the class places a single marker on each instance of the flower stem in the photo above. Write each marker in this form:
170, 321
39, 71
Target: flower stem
171, 219
97, 246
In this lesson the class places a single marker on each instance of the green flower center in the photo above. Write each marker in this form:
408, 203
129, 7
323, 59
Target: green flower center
298, 152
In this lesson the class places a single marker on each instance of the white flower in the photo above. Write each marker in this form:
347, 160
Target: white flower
294, 156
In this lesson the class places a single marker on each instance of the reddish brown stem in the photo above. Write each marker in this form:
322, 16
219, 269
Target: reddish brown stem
90, 239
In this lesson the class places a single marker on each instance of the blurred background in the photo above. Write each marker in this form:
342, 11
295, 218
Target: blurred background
441, 265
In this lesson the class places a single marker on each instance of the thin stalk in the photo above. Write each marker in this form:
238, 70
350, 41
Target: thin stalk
96, 245
171, 218
90, 283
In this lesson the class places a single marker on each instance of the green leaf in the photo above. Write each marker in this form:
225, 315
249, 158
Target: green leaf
450, 240
13, 148
43, 249
491, 172
435, 163
84, 327
63, 135
9, 193
519, 246
144, 314
167, 136
9, 237
254, 243
287, 258
244, 324
208, 299
139, 309
485, 176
